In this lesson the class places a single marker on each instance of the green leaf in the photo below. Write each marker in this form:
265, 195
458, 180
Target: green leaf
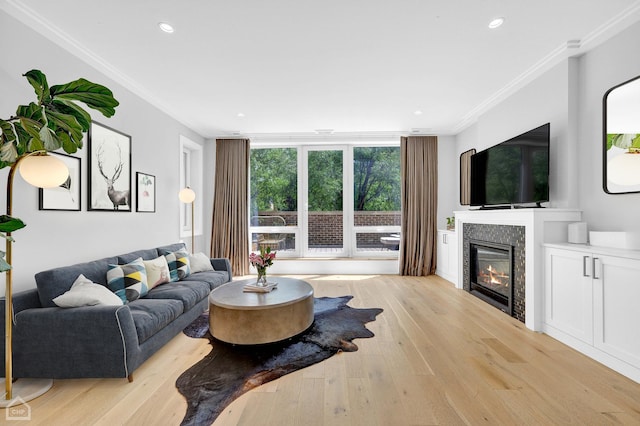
39, 82
68, 146
7, 131
49, 139
68, 123
93, 95
10, 224
635, 143
68, 107
4, 266
8, 153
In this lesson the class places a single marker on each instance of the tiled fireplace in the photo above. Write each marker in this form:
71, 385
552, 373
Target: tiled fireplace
524, 231
494, 265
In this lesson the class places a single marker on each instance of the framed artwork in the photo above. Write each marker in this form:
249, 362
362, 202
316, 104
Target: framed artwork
145, 193
67, 195
109, 169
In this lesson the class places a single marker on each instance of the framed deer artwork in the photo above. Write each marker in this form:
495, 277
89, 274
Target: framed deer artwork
109, 169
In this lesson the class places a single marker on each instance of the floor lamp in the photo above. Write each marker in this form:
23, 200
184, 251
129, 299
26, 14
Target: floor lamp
188, 196
43, 171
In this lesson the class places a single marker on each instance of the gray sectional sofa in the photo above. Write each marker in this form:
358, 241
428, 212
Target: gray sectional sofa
103, 341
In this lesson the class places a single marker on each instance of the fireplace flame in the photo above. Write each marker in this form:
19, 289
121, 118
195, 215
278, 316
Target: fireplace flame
494, 276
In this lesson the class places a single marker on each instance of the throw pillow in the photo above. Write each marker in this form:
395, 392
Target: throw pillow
129, 282
157, 271
84, 292
178, 262
200, 262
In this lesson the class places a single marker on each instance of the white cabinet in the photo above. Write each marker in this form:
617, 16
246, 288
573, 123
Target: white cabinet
447, 256
592, 301
616, 307
568, 293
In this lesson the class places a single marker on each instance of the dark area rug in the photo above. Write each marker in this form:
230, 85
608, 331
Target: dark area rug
228, 371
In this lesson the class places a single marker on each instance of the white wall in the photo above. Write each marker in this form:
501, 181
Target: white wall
545, 99
448, 179
569, 96
54, 238
606, 66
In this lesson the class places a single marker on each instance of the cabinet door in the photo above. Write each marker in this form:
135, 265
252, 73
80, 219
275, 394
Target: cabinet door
442, 257
617, 307
568, 293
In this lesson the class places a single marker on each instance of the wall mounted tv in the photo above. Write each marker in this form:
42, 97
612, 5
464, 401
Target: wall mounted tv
514, 172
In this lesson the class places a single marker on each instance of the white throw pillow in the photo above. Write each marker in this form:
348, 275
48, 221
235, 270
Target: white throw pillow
157, 271
84, 292
200, 262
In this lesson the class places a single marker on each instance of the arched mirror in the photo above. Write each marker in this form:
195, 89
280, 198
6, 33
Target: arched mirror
621, 145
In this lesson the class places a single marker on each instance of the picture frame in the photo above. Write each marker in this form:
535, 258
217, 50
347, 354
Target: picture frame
145, 193
67, 196
109, 169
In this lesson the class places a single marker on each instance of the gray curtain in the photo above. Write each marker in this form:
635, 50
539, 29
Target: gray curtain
419, 175
230, 227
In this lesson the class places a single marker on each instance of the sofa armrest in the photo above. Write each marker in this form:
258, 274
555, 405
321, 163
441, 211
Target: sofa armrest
222, 264
89, 341
21, 301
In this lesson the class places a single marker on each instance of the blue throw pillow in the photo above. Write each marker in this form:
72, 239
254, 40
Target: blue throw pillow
129, 282
179, 267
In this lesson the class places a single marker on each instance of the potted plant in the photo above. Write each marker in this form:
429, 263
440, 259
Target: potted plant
451, 223
55, 121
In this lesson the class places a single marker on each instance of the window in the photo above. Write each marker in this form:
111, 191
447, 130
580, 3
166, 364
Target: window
191, 160
274, 200
326, 201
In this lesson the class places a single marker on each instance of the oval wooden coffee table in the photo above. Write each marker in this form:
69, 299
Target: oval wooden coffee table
255, 318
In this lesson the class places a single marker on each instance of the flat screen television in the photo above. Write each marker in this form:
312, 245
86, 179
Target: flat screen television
514, 172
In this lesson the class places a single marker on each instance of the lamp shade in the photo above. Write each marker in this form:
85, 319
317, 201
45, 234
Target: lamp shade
187, 195
624, 169
43, 171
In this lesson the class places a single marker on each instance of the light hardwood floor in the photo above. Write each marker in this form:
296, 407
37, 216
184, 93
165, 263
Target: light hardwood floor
440, 357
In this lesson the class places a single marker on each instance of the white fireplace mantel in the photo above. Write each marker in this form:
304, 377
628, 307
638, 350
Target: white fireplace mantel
542, 225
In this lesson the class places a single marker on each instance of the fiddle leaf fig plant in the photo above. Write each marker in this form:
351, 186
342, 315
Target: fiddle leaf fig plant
54, 121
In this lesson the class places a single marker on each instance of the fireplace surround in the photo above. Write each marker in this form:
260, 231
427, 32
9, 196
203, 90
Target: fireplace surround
541, 225
493, 239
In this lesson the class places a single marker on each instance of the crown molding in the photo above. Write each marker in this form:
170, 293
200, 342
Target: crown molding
38, 23
571, 48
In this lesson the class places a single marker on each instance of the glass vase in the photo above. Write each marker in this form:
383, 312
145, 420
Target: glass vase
262, 277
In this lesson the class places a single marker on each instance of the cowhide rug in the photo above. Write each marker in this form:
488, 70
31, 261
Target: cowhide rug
228, 371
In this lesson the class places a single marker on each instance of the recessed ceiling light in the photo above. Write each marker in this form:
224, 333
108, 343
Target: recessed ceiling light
496, 23
417, 112
167, 28
240, 115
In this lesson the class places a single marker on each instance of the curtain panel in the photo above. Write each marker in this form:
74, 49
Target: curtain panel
230, 228
419, 175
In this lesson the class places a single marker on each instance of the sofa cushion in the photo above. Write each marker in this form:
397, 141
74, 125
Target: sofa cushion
146, 254
128, 281
200, 262
213, 278
178, 262
157, 271
189, 293
54, 282
84, 292
171, 248
151, 316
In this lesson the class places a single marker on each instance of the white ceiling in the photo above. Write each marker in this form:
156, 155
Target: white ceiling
354, 66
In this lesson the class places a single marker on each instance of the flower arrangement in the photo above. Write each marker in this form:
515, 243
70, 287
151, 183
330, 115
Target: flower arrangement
261, 262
